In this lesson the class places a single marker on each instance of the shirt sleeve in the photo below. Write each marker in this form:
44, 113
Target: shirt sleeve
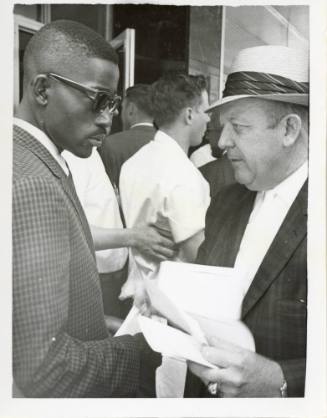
185, 207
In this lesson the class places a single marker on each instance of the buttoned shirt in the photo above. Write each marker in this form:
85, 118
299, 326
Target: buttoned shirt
160, 185
269, 211
99, 202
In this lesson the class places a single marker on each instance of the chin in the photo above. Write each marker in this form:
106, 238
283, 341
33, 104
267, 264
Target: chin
84, 153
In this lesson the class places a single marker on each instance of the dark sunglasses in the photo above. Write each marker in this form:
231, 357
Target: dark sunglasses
101, 99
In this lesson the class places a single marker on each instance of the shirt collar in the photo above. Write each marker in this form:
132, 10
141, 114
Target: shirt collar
168, 141
44, 140
142, 124
288, 189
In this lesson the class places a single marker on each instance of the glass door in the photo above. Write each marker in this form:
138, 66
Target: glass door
124, 45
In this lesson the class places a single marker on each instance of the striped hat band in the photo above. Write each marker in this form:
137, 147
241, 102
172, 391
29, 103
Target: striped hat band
257, 83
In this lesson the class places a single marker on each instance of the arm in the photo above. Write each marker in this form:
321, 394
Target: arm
48, 359
146, 239
189, 248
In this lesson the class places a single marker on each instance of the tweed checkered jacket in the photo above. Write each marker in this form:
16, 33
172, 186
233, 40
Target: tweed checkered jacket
274, 307
61, 347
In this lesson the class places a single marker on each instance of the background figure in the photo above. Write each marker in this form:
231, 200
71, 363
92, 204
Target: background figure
137, 119
61, 346
111, 240
259, 226
168, 190
218, 172
202, 155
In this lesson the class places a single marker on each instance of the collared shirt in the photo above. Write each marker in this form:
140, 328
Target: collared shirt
99, 202
44, 140
160, 185
269, 211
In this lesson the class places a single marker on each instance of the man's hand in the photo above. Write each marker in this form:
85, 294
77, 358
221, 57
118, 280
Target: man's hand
154, 243
240, 373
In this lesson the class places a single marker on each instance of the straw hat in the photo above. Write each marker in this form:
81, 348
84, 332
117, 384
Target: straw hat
268, 72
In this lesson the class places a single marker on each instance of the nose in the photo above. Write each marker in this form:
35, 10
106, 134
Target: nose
226, 137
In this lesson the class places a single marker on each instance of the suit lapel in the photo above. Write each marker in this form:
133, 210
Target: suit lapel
25, 139
290, 235
230, 221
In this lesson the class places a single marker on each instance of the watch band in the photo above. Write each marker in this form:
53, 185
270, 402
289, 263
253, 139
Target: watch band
283, 390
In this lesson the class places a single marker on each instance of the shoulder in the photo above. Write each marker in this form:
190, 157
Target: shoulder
227, 196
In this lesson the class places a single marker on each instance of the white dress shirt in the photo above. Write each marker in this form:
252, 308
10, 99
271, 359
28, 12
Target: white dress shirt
269, 211
160, 185
99, 202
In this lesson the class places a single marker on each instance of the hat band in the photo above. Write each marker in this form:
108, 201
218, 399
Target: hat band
254, 83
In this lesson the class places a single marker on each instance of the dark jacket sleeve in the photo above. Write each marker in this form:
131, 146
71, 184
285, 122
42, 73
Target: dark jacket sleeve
48, 359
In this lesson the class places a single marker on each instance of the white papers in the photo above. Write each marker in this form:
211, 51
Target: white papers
168, 309
235, 332
209, 291
171, 342
200, 301
130, 326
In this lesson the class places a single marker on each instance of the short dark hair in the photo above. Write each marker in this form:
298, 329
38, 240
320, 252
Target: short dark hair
172, 93
62, 42
140, 94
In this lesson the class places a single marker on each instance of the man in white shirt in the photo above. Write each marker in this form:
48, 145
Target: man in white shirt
260, 225
168, 190
160, 185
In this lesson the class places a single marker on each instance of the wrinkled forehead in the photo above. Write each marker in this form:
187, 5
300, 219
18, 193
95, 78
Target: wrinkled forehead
246, 108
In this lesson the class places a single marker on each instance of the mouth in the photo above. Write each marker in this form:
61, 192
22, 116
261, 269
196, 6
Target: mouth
234, 160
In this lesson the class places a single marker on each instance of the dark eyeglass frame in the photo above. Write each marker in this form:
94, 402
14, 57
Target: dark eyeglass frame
101, 99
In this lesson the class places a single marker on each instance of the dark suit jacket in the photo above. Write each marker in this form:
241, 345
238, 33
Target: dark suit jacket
118, 148
218, 173
61, 347
274, 307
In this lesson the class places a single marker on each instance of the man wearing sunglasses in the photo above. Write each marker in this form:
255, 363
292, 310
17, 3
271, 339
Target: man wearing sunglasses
61, 347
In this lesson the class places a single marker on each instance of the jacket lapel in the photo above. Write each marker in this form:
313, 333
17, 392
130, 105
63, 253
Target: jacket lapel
290, 235
25, 139
228, 228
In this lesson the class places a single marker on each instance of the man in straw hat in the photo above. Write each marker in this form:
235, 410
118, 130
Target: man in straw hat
259, 226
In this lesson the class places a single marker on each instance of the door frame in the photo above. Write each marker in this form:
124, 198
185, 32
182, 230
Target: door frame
127, 40
28, 25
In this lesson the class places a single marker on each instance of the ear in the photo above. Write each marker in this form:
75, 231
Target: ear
188, 115
291, 125
40, 86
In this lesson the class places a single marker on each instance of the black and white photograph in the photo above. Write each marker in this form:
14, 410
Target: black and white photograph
164, 180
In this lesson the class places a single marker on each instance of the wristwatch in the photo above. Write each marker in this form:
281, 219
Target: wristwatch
283, 390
